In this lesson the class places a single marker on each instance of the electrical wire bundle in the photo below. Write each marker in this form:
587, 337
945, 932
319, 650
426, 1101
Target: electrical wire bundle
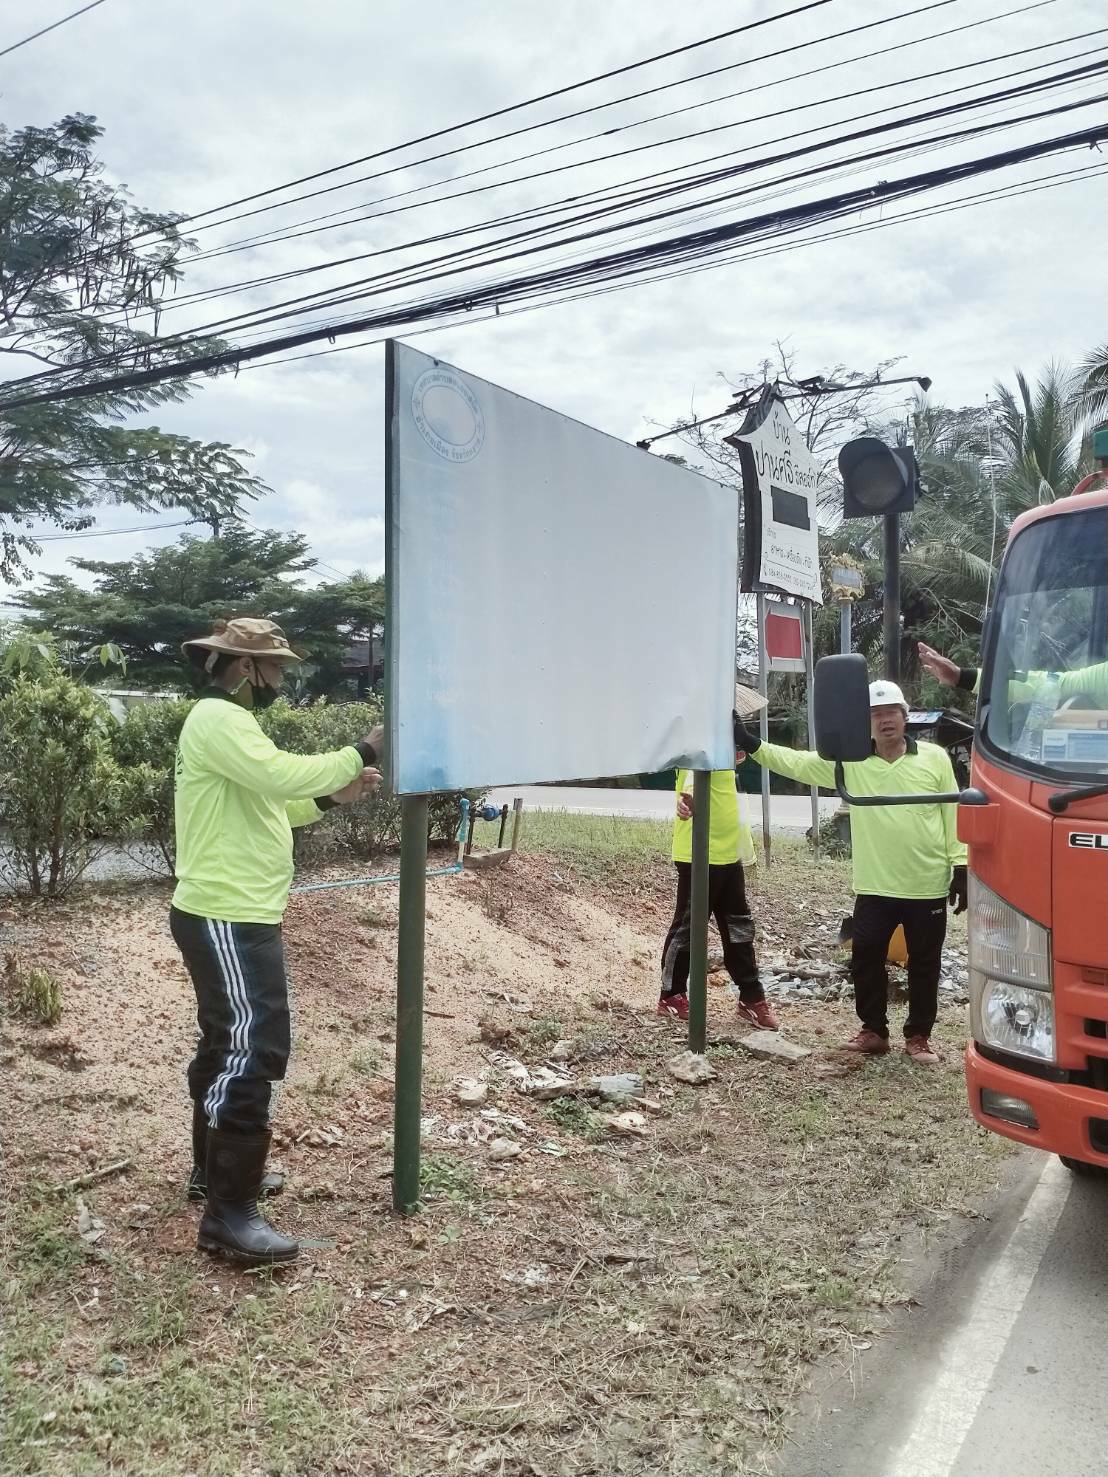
737, 204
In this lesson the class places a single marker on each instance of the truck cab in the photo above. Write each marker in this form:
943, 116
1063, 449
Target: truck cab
1037, 1060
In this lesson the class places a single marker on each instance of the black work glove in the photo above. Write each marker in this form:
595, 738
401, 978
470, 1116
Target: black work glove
958, 896
749, 742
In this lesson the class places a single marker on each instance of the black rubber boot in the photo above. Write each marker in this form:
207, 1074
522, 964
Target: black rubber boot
232, 1224
272, 1184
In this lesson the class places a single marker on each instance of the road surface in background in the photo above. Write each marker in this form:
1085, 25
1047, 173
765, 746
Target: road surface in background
788, 812
1002, 1371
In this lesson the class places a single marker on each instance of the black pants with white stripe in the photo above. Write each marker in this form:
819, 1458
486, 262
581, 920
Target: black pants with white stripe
242, 1011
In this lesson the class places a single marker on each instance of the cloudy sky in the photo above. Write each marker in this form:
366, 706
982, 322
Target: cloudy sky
205, 101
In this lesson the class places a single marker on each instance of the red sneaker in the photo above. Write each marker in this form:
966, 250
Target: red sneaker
676, 1006
921, 1051
759, 1014
868, 1042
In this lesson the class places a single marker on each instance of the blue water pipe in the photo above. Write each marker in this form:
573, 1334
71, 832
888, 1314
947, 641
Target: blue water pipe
395, 876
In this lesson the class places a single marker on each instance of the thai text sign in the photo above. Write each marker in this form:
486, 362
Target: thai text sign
781, 532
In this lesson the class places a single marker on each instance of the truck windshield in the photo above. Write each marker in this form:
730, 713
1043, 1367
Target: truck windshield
1044, 691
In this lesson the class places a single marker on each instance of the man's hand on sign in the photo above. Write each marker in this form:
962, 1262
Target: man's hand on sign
940, 667
362, 784
684, 806
375, 738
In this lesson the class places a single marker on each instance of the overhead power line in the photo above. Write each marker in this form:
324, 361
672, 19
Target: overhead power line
610, 193
619, 264
54, 538
342, 293
541, 97
416, 274
1045, 182
275, 236
47, 29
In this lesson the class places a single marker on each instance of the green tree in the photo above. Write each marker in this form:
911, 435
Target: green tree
146, 606
982, 467
81, 268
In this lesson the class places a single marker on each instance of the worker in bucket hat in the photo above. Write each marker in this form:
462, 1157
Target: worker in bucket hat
729, 847
907, 862
237, 799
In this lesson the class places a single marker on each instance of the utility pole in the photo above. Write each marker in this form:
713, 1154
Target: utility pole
891, 619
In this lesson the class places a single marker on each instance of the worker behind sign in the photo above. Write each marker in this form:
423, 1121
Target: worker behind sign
237, 799
729, 847
907, 862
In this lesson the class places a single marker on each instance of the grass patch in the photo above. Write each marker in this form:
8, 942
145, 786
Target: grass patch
637, 1305
576, 1117
442, 1177
543, 1031
49, 1247
327, 1084
594, 845
366, 1062
35, 994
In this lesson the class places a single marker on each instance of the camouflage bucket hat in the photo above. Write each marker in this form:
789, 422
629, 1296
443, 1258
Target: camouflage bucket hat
244, 636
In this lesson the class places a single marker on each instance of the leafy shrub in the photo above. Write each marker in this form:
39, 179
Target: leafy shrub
834, 835
145, 745
61, 792
73, 780
373, 825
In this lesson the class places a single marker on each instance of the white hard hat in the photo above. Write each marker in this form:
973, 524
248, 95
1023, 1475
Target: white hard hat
882, 694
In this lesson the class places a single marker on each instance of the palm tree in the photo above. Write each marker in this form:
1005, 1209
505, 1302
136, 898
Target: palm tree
1041, 439
1091, 400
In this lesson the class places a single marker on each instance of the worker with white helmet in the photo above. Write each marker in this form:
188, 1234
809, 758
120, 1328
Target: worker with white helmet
907, 862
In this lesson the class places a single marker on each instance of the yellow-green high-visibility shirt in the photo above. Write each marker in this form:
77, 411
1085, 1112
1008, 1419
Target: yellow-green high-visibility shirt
897, 850
729, 838
236, 800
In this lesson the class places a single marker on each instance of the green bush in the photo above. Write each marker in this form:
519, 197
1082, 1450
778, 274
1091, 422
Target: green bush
373, 825
834, 835
145, 745
61, 792
73, 780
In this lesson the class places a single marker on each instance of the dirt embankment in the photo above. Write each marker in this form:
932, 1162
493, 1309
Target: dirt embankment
645, 1300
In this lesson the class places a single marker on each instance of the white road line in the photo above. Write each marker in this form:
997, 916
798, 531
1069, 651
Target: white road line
971, 1352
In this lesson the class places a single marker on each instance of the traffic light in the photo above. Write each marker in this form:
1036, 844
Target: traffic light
878, 479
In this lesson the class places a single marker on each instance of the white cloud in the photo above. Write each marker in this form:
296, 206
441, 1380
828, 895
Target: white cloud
211, 102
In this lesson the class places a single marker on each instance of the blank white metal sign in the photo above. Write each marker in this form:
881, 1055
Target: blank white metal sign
561, 605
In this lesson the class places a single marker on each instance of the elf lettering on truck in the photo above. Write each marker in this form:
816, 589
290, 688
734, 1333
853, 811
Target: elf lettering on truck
1036, 822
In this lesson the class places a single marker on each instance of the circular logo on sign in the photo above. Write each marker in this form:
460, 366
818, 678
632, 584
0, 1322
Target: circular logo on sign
448, 415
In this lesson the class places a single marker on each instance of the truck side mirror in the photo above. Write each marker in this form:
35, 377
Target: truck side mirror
841, 708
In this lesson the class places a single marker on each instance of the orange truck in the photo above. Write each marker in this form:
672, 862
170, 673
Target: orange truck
1036, 821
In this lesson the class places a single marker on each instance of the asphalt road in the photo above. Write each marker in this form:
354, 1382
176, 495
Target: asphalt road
1003, 1369
788, 812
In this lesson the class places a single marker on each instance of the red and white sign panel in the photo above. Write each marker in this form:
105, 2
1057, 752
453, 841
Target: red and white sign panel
784, 637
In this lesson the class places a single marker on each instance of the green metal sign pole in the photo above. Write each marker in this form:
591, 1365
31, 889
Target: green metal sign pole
698, 942
409, 1004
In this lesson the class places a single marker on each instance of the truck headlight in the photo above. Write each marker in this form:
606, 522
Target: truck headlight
1016, 1019
1011, 984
